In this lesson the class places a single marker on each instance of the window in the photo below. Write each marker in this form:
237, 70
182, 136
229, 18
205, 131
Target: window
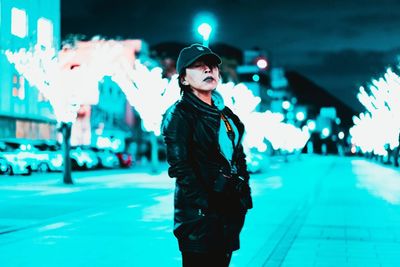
18, 87
45, 32
19, 22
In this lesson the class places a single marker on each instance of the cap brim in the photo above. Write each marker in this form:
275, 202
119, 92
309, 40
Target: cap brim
208, 55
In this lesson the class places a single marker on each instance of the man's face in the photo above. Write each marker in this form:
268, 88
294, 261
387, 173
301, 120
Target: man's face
202, 75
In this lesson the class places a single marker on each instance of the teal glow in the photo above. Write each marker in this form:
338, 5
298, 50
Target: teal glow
300, 116
325, 132
205, 23
205, 30
290, 116
256, 77
262, 63
286, 104
311, 125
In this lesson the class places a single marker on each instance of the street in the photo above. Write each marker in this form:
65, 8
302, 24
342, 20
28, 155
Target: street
310, 211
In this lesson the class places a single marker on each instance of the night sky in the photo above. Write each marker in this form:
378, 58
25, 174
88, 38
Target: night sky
337, 44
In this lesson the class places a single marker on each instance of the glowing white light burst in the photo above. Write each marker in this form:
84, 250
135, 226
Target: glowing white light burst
382, 104
43, 70
65, 85
261, 127
149, 93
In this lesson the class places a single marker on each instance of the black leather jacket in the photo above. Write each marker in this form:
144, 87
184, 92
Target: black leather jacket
204, 220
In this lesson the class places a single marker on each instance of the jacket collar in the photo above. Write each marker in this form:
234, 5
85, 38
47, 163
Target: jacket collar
198, 104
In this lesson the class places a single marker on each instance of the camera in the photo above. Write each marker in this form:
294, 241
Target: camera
221, 183
233, 185
229, 183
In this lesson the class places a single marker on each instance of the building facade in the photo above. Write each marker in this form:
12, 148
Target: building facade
105, 118
24, 112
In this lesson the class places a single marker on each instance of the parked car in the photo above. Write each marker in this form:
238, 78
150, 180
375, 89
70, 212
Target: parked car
49, 155
41, 155
107, 158
24, 150
3, 165
125, 159
11, 161
82, 157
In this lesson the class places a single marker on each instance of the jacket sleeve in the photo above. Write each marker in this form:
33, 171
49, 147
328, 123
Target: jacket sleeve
246, 199
177, 135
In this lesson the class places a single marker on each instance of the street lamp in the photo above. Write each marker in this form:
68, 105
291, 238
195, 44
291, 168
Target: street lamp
205, 24
262, 63
325, 132
205, 30
300, 116
286, 105
311, 125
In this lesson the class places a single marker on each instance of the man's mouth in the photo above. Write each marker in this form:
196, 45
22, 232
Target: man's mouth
208, 79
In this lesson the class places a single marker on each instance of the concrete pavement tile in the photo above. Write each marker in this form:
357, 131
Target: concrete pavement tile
298, 262
380, 234
324, 262
363, 245
362, 263
364, 256
334, 233
310, 232
390, 262
328, 245
304, 248
387, 247
357, 234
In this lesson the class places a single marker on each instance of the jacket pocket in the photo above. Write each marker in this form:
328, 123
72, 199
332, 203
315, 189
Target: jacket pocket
194, 224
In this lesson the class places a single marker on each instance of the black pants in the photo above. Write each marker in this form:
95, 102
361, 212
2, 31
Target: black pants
214, 259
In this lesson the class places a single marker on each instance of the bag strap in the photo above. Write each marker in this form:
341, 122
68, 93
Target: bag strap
229, 130
231, 135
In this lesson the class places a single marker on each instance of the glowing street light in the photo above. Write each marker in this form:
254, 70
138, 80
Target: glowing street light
205, 23
325, 132
205, 30
311, 125
262, 63
286, 105
256, 77
300, 116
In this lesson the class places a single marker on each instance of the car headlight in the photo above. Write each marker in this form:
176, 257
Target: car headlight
57, 161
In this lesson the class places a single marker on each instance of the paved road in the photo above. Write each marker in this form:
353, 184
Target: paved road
315, 211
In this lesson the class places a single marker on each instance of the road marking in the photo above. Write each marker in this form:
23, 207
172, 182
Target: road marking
53, 226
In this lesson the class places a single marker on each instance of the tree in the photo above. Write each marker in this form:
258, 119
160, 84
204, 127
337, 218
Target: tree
62, 84
150, 95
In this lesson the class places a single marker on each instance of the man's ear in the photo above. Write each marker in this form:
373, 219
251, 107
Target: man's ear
184, 82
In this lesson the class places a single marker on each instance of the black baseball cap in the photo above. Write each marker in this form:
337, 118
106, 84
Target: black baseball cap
190, 54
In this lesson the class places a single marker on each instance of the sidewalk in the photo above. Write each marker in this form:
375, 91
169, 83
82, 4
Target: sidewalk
349, 216
316, 211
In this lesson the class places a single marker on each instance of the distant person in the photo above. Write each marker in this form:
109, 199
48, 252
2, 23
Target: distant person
205, 154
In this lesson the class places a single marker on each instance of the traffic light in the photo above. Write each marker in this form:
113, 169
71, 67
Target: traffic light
262, 62
255, 67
